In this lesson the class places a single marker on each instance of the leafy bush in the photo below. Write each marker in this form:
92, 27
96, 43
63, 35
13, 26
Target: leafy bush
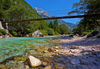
0, 33
43, 32
13, 32
95, 32
50, 31
3, 32
98, 36
56, 33
84, 33
89, 35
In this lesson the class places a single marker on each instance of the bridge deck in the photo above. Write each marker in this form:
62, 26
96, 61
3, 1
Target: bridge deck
64, 17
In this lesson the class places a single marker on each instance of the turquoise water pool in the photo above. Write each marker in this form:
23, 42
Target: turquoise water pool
15, 46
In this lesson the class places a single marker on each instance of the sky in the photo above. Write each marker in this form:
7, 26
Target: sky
55, 7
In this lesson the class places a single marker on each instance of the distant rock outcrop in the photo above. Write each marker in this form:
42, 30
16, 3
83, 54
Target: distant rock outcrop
44, 14
37, 33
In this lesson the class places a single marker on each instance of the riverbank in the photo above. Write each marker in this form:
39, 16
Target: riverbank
75, 53
83, 53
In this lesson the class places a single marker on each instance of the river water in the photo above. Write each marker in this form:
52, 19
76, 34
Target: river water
16, 46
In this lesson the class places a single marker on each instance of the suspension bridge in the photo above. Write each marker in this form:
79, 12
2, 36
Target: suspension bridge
55, 15
50, 18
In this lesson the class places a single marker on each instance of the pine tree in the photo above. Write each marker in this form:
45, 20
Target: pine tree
50, 24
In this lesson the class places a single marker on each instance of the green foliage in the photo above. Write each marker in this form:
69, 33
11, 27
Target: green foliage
22, 10
87, 7
64, 29
84, 33
44, 32
98, 36
50, 31
93, 33
13, 32
89, 35
2, 32
4, 5
2, 15
50, 24
56, 26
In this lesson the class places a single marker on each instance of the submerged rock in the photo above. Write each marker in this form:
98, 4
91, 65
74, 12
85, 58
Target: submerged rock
49, 60
85, 53
75, 61
59, 66
34, 61
26, 67
51, 50
84, 62
45, 63
47, 67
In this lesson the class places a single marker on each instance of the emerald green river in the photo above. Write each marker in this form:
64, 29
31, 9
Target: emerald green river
15, 46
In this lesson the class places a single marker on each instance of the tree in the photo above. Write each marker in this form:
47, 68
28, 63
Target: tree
4, 5
15, 12
56, 26
50, 31
64, 29
50, 24
87, 7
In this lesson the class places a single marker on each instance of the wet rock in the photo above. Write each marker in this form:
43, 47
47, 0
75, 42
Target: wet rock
48, 67
65, 51
98, 56
51, 50
56, 47
45, 63
72, 50
59, 66
45, 51
74, 47
86, 50
75, 50
56, 50
85, 53
47, 60
26, 67
20, 59
75, 61
84, 62
34, 61
82, 67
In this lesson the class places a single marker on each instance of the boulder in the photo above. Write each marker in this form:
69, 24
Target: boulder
34, 61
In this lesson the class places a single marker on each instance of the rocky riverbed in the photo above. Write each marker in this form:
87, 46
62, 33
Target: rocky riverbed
75, 53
